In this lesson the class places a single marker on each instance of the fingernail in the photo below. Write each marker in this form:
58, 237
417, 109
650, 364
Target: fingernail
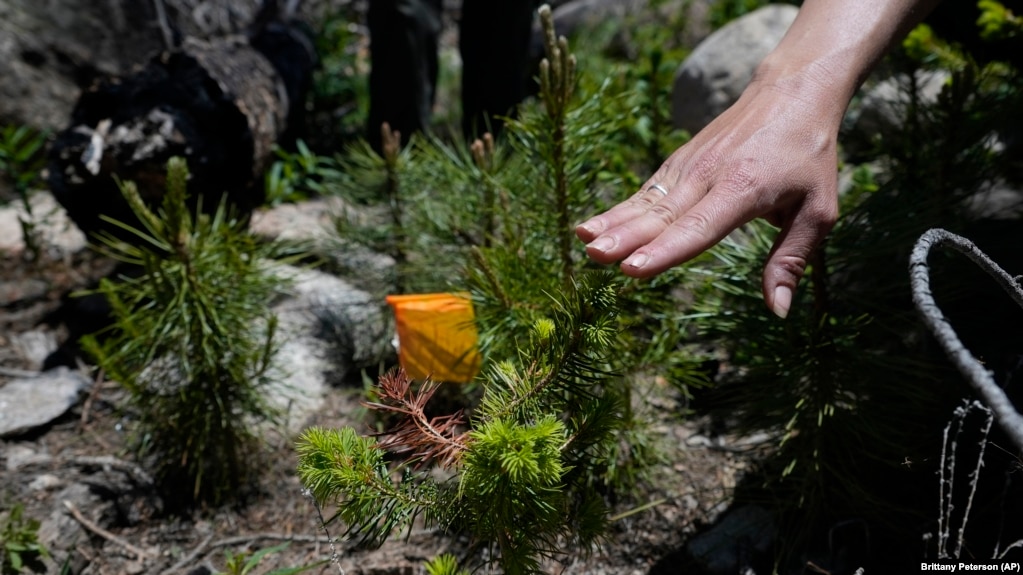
782, 301
636, 261
601, 245
592, 227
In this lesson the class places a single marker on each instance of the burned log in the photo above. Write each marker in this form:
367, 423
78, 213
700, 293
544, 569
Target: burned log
221, 104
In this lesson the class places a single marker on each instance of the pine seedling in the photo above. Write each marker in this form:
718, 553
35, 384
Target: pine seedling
516, 480
559, 142
566, 179
192, 341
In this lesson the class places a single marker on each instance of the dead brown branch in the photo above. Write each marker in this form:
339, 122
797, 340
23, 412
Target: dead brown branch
138, 552
426, 438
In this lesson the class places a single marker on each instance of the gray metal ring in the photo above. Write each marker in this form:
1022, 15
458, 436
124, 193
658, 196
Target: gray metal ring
659, 188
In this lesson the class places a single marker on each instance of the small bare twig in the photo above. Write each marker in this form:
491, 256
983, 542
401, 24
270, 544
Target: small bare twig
335, 556
948, 462
974, 477
208, 544
110, 462
1001, 520
1010, 547
817, 568
188, 558
138, 552
97, 384
974, 371
949, 449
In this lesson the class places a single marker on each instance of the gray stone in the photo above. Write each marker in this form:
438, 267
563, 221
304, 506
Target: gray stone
56, 236
14, 291
572, 16
29, 403
311, 223
306, 221
48, 48
45, 482
883, 106
999, 200
724, 548
59, 531
34, 346
718, 70
326, 328
19, 456
576, 17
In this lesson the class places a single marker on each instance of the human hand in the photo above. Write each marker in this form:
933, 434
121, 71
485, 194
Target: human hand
773, 155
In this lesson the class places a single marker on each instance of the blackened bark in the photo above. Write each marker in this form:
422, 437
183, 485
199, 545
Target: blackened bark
221, 104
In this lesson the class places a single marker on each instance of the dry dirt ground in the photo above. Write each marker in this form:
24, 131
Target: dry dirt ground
100, 515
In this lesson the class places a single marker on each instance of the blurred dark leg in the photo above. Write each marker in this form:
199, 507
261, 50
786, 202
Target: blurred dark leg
403, 65
494, 38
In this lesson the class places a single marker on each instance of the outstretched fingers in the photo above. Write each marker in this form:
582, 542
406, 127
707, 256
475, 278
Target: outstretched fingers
668, 232
643, 200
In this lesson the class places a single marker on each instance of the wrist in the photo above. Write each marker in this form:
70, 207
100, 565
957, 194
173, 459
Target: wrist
822, 89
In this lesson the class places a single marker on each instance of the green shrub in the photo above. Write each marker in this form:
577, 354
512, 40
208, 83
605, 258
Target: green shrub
192, 341
19, 543
21, 157
21, 164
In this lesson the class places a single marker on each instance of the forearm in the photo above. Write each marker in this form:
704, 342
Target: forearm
832, 46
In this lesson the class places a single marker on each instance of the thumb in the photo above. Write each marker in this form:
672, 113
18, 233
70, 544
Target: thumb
789, 257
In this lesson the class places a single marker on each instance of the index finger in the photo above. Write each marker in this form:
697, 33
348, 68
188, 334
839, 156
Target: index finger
649, 194
691, 233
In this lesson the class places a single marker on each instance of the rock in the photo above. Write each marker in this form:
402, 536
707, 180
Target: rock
718, 70
29, 403
307, 221
883, 108
45, 482
56, 235
19, 456
14, 291
327, 328
34, 346
50, 50
571, 16
311, 223
576, 16
727, 546
59, 531
999, 200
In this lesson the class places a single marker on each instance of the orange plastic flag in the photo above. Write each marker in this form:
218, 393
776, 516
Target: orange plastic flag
436, 336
